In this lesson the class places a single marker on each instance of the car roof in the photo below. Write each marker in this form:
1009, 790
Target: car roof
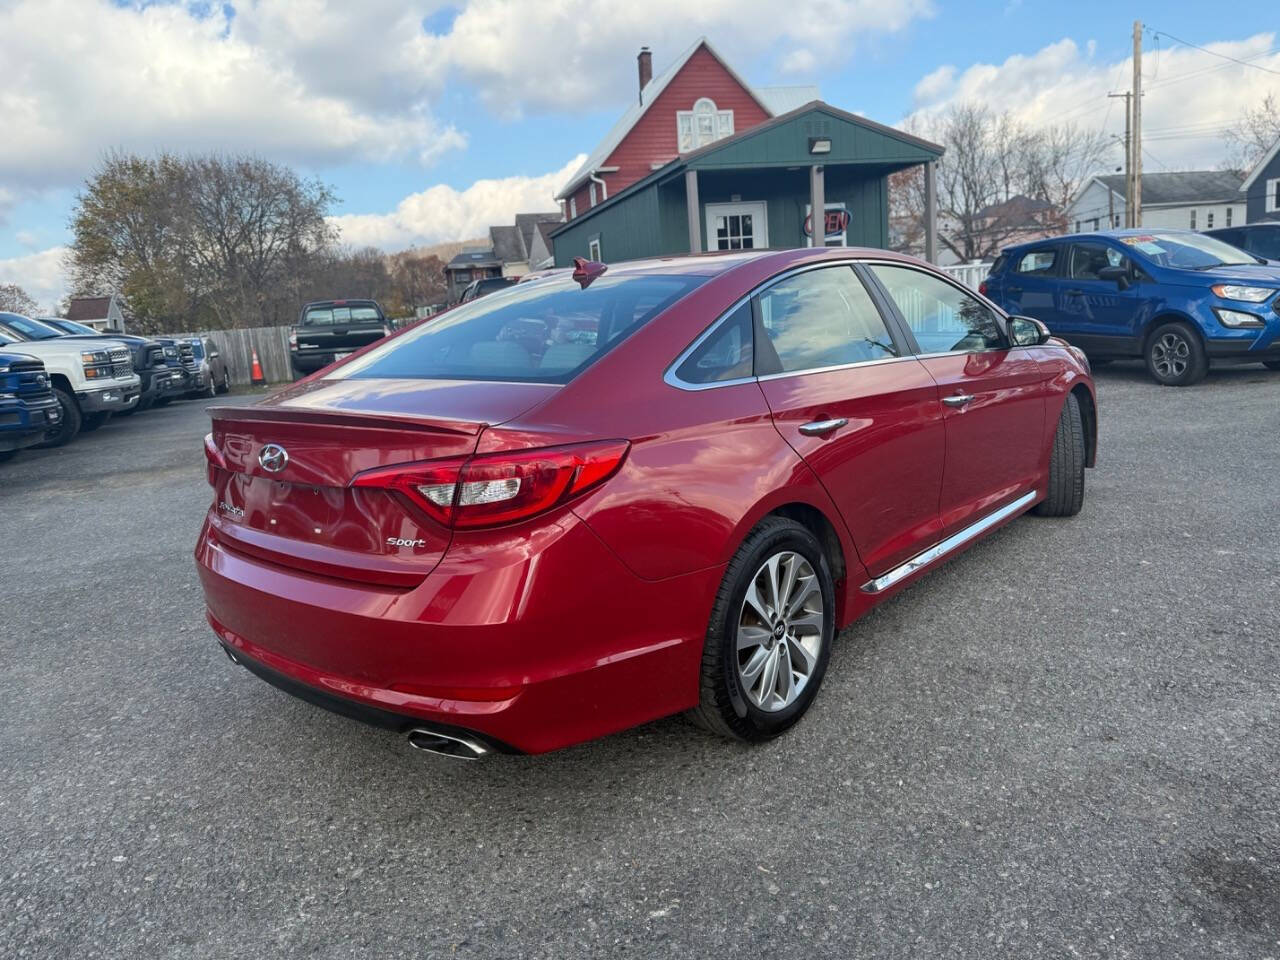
341, 302
719, 262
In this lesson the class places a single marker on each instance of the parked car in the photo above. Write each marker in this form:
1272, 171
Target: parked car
485, 286
180, 358
155, 376
28, 408
1260, 239
329, 330
489, 545
90, 380
1175, 298
214, 375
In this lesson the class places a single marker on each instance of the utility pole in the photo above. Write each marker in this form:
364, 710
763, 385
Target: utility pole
1128, 164
1136, 133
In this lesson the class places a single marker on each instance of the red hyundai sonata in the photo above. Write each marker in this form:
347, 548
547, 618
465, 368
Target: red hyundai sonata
596, 499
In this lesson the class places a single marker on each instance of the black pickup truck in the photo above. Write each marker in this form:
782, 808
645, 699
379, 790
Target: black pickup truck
329, 330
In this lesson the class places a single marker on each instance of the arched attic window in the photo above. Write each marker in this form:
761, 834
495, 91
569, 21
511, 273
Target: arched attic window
702, 125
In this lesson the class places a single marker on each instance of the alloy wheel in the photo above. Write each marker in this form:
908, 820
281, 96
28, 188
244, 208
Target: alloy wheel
780, 631
1171, 355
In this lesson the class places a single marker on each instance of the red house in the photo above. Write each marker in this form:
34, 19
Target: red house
697, 100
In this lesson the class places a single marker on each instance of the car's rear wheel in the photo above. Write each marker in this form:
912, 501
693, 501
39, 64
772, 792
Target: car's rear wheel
1066, 464
770, 634
1175, 355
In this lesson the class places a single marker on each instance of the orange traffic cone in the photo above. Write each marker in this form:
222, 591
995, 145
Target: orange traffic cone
255, 374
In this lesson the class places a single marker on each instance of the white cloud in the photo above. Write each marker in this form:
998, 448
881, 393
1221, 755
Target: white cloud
555, 53
442, 213
1191, 96
40, 274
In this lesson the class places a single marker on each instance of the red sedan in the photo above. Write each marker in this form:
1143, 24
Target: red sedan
604, 497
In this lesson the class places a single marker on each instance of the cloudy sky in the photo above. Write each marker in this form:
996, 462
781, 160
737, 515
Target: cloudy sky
434, 119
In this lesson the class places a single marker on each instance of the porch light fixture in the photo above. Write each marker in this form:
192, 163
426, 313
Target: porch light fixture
819, 144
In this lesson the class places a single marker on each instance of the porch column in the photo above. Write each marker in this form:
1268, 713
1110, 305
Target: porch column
694, 210
817, 206
931, 212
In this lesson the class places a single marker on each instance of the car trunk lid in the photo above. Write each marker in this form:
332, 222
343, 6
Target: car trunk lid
282, 470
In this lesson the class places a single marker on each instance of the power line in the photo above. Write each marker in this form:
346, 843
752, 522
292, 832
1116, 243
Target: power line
1212, 53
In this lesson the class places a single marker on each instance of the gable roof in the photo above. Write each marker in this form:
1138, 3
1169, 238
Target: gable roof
473, 258
527, 224
652, 90
1188, 186
84, 309
1261, 165
507, 244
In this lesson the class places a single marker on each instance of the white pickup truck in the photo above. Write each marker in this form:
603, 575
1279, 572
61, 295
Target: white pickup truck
91, 379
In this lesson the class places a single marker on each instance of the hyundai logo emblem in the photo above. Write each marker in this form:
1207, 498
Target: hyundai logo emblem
273, 458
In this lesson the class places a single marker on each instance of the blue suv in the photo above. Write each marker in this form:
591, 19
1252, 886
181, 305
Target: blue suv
1175, 298
28, 408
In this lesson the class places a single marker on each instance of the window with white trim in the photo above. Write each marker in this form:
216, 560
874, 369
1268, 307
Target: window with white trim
1273, 196
1193, 219
593, 249
702, 125
1229, 211
593, 193
1208, 220
573, 207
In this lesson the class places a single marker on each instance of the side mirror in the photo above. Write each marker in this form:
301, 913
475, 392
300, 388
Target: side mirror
1118, 275
1027, 332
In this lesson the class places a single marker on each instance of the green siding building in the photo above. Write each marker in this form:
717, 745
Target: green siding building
756, 189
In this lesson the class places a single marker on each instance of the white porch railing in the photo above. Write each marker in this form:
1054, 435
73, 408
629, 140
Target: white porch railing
970, 274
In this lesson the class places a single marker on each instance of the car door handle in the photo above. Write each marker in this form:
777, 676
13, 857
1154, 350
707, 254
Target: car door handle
959, 400
1015, 289
1075, 293
816, 428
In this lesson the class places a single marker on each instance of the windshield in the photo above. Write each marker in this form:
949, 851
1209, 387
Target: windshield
341, 314
1187, 251
31, 329
70, 326
197, 348
541, 332
5, 339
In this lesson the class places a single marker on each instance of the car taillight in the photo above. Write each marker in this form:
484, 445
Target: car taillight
982, 288
214, 458
497, 488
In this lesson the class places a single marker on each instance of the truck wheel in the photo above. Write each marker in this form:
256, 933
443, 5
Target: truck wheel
226, 383
1175, 356
94, 420
162, 401
69, 426
7, 455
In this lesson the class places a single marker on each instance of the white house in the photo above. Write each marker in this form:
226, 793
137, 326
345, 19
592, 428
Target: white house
101, 313
1190, 200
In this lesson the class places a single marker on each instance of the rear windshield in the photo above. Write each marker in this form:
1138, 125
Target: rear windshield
343, 314
545, 331
1266, 243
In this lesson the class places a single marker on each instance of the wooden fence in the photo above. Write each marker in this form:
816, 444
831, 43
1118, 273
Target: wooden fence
237, 346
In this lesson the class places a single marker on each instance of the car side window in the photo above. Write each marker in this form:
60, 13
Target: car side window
1038, 262
819, 318
725, 355
1088, 259
943, 317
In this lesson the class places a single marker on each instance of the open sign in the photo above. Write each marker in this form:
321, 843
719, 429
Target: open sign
837, 221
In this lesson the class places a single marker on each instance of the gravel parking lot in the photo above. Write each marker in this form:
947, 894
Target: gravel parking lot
1064, 743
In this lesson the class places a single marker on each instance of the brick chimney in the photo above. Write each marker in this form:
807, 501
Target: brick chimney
645, 62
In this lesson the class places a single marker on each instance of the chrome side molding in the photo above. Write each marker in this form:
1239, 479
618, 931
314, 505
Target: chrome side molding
949, 545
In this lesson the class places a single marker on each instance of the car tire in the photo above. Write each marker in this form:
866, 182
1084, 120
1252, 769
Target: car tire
95, 420
69, 426
1271, 364
226, 383
162, 401
7, 455
1066, 464
1176, 356
744, 694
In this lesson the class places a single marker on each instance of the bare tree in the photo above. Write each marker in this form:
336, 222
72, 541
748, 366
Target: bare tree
1058, 159
16, 300
1256, 132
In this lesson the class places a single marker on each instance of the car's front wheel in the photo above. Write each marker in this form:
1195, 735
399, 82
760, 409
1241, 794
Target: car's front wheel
69, 425
1175, 355
1066, 464
770, 634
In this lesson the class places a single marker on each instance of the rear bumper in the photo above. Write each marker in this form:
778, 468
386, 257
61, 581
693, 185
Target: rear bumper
532, 640
309, 362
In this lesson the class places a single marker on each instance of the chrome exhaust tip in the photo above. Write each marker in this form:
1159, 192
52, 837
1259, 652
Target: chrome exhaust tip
230, 656
445, 744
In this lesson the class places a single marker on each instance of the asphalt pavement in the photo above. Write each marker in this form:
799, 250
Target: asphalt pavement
1064, 743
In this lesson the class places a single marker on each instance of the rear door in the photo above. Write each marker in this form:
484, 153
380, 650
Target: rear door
1098, 316
993, 396
1031, 284
848, 396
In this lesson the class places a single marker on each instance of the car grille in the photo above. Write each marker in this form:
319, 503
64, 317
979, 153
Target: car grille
33, 382
121, 363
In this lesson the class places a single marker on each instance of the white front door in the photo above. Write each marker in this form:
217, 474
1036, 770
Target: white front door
737, 226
